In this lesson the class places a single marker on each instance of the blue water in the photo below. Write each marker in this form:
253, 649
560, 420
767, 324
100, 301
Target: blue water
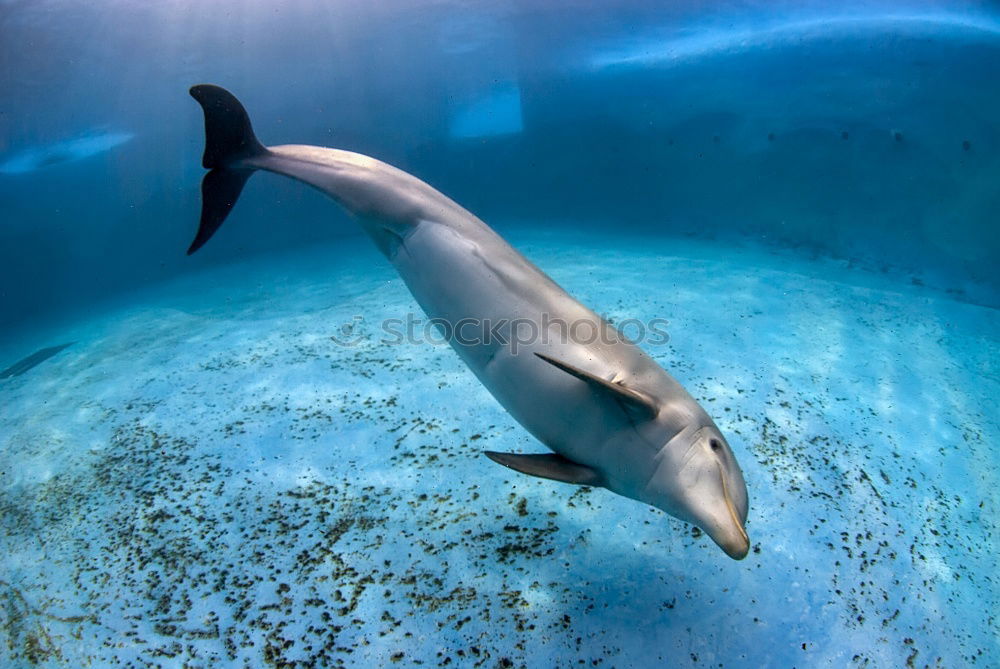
204, 477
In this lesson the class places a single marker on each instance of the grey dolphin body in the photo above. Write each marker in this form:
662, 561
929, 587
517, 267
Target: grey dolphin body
611, 415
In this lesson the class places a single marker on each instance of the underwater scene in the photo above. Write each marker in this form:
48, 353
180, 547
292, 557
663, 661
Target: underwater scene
467, 333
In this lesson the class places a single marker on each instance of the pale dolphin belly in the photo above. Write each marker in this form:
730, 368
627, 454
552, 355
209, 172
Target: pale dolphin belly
453, 280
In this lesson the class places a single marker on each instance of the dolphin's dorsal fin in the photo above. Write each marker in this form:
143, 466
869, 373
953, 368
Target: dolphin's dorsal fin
547, 466
636, 403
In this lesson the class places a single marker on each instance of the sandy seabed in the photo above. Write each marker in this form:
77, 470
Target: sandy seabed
206, 478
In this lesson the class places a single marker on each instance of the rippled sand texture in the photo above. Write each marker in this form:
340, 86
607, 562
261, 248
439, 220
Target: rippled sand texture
206, 478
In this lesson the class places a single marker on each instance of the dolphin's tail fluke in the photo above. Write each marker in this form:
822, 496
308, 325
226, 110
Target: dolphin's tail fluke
229, 141
228, 134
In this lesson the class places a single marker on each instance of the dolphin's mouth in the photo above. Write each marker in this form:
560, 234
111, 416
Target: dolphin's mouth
736, 545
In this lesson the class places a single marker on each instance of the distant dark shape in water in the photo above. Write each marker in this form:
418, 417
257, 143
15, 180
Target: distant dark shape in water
611, 416
966, 145
82, 146
55, 158
33, 360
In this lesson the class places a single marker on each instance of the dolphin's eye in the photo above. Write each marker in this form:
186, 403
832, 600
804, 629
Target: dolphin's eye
715, 444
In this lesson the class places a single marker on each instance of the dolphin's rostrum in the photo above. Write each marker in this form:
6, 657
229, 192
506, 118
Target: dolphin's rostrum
611, 415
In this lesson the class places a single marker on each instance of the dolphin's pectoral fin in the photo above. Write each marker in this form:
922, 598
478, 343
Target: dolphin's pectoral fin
638, 405
548, 466
388, 235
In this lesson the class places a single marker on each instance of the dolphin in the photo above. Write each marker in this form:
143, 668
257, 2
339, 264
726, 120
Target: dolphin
82, 146
609, 414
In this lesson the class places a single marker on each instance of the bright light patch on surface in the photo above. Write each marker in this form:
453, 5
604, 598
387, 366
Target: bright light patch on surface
663, 49
70, 150
496, 112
